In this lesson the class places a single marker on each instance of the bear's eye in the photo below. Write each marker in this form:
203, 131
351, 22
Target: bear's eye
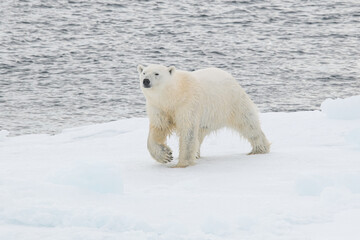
156, 74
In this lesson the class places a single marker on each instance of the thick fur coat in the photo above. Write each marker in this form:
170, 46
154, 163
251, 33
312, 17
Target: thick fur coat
193, 104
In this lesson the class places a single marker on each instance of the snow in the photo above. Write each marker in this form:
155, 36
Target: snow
99, 182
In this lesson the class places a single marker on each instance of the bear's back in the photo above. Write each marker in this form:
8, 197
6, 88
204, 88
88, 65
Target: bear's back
214, 79
213, 76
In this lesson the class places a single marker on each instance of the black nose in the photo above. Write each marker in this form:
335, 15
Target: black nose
146, 82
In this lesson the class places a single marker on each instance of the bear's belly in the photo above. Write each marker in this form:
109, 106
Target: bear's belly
213, 123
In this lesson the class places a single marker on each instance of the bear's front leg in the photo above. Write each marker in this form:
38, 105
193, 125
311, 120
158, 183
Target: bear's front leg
188, 144
157, 146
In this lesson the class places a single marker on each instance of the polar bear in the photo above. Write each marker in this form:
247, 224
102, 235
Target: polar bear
194, 104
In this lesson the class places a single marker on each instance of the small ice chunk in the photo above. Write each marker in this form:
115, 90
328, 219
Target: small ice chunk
3, 134
346, 109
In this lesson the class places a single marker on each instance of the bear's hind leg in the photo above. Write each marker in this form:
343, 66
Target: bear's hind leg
248, 126
202, 134
259, 143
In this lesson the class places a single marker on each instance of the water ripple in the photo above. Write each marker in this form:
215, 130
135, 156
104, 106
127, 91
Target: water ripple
69, 63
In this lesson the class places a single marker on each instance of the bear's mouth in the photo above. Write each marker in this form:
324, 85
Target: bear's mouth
146, 86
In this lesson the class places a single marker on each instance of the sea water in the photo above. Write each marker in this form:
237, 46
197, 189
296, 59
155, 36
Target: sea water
70, 63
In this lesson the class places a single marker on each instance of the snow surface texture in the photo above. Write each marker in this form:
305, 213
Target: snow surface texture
99, 182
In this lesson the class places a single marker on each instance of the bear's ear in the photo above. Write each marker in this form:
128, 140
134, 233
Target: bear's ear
171, 69
140, 68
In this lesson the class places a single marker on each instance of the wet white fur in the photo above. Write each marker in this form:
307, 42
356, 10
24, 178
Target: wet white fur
193, 104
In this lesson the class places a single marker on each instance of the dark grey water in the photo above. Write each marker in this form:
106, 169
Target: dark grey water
69, 63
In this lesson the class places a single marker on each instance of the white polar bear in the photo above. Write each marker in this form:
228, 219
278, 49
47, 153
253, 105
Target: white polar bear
193, 104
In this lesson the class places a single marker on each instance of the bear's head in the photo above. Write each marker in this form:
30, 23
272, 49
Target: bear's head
154, 76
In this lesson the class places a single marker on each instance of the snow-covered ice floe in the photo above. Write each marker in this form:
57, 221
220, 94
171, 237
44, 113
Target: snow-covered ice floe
99, 182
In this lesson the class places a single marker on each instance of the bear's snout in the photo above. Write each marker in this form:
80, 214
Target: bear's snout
146, 83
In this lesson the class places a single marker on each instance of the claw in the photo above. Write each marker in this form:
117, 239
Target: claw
166, 155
